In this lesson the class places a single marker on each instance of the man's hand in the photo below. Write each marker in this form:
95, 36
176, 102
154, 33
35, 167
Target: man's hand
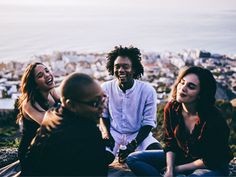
129, 149
106, 135
109, 142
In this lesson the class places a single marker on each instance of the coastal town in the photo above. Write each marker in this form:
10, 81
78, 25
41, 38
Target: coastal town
160, 69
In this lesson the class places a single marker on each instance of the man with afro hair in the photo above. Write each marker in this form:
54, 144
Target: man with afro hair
130, 113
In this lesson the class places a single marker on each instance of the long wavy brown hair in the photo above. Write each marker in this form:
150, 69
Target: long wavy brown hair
29, 91
207, 86
206, 100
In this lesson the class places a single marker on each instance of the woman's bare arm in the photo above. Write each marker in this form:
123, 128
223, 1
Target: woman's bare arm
33, 113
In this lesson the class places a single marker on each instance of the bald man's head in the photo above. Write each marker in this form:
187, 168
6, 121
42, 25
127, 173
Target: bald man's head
74, 86
82, 95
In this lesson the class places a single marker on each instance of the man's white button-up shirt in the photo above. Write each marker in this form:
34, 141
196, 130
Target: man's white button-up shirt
131, 110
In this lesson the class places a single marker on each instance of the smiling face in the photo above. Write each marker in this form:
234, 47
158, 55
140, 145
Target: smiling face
188, 89
91, 104
43, 78
123, 70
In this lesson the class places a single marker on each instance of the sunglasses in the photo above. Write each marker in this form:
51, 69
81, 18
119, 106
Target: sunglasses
96, 102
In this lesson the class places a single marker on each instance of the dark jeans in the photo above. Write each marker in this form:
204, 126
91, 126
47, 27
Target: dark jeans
153, 162
110, 157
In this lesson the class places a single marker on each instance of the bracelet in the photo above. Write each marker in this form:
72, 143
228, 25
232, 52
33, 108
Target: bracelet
135, 142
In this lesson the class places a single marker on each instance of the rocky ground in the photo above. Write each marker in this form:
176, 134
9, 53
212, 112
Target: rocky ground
9, 155
232, 167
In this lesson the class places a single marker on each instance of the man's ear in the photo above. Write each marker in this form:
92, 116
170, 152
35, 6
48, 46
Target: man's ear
67, 103
133, 70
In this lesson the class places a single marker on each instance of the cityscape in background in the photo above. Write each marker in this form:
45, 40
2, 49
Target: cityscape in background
160, 69
170, 35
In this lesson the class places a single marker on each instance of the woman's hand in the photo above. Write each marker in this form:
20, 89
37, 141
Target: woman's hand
179, 169
190, 166
169, 173
170, 158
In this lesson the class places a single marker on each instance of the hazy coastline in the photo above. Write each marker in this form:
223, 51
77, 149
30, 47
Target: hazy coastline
38, 29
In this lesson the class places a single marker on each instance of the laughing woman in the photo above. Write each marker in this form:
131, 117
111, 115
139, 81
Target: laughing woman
37, 96
196, 135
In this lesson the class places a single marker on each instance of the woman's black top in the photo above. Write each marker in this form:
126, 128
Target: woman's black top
29, 130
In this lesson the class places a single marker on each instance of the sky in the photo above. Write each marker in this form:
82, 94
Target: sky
163, 4
25, 25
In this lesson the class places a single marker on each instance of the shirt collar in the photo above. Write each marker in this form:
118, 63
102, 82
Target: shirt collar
178, 109
128, 91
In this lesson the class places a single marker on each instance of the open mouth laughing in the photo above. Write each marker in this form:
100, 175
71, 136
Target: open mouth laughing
49, 81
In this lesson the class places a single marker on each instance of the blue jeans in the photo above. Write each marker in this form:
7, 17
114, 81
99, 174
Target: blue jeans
153, 162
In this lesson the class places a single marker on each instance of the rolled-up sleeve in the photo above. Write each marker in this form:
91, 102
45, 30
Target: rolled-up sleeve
150, 109
169, 137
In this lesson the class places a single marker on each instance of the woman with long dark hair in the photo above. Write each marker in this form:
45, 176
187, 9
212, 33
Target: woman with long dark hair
37, 96
196, 135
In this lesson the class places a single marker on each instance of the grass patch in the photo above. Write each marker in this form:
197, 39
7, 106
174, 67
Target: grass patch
9, 136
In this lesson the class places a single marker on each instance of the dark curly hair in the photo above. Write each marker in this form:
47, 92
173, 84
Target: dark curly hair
207, 86
132, 53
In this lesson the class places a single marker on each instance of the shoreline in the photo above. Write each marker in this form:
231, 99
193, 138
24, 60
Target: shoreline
29, 58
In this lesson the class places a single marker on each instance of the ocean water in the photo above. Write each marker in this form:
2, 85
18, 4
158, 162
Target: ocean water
28, 30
